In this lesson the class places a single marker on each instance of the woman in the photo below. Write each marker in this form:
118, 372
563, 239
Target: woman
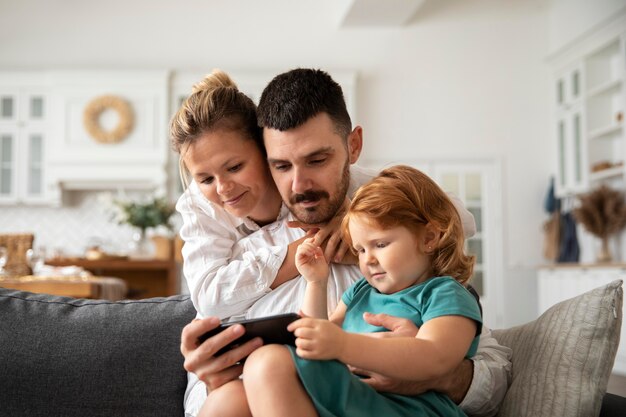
231, 195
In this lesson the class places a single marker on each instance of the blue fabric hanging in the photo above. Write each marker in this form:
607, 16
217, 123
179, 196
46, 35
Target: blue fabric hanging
551, 203
569, 251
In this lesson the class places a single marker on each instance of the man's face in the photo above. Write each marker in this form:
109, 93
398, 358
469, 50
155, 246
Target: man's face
310, 165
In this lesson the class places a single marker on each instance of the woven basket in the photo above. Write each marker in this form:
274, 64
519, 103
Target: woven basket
17, 245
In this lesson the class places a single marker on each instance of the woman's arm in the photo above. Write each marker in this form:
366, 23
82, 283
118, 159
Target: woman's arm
223, 281
288, 270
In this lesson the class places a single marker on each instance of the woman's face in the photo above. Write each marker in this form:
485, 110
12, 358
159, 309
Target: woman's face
232, 173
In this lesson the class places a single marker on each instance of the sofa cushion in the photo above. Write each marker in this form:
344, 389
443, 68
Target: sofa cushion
562, 360
68, 357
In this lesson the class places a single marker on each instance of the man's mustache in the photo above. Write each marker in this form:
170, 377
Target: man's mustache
308, 196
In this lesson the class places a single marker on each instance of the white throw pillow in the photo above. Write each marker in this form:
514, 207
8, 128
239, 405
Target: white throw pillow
562, 361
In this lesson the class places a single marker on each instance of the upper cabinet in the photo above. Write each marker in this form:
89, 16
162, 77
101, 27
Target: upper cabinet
108, 130
66, 130
23, 138
589, 102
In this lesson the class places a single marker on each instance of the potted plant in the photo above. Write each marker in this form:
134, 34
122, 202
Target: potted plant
142, 216
603, 213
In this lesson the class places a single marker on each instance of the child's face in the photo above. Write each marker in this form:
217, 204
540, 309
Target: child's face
390, 259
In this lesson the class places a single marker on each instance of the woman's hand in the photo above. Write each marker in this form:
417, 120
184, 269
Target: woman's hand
214, 371
330, 238
317, 338
310, 262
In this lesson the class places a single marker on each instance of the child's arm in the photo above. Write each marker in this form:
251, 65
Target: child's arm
312, 266
440, 345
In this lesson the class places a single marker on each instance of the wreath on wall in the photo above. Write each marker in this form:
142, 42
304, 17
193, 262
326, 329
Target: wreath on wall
91, 119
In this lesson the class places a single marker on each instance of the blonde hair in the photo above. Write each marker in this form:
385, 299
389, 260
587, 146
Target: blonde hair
215, 103
403, 196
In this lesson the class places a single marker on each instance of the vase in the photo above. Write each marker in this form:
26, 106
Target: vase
162, 247
141, 246
604, 256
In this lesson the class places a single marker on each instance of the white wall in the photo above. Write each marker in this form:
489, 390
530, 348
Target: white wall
569, 19
464, 78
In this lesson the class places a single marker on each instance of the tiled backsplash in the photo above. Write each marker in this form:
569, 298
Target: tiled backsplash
83, 219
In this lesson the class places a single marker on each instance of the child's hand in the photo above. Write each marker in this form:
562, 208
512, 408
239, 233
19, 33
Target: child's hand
317, 338
311, 262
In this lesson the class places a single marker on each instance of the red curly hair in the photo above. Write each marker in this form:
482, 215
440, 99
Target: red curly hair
404, 196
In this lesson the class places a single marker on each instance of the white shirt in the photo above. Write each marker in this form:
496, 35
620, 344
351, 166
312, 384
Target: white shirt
230, 263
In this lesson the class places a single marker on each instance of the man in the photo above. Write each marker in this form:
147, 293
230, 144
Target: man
310, 147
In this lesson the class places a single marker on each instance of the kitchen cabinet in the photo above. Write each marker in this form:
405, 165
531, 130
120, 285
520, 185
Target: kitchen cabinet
559, 283
108, 130
23, 139
589, 101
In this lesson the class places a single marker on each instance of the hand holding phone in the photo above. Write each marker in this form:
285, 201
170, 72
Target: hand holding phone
272, 329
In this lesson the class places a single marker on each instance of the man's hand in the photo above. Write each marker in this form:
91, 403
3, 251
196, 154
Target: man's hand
214, 371
397, 326
454, 385
317, 338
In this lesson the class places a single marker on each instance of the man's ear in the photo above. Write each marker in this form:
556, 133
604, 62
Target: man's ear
355, 144
430, 238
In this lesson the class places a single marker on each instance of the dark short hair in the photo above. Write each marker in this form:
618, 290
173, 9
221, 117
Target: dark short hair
293, 97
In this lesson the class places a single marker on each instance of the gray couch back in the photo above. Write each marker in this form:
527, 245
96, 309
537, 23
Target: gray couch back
66, 357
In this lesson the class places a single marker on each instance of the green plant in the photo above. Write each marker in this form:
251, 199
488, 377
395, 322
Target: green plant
156, 212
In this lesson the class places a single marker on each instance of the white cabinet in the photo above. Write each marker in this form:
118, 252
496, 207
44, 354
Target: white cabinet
23, 139
589, 103
137, 159
560, 283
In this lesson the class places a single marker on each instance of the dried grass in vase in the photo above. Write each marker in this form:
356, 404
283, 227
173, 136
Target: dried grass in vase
603, 213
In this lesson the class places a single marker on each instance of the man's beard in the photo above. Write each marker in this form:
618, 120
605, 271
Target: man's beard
328, 206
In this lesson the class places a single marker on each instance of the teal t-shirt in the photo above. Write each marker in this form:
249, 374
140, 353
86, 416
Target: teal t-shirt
435, 297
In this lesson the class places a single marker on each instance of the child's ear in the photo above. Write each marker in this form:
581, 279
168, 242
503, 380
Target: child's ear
430, 238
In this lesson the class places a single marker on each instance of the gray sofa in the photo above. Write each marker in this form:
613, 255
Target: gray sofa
67, 357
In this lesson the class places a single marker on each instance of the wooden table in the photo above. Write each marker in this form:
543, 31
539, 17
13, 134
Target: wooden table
77, 287
145, 278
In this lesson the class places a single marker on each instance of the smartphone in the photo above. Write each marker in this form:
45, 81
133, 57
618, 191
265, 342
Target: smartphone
272, 329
